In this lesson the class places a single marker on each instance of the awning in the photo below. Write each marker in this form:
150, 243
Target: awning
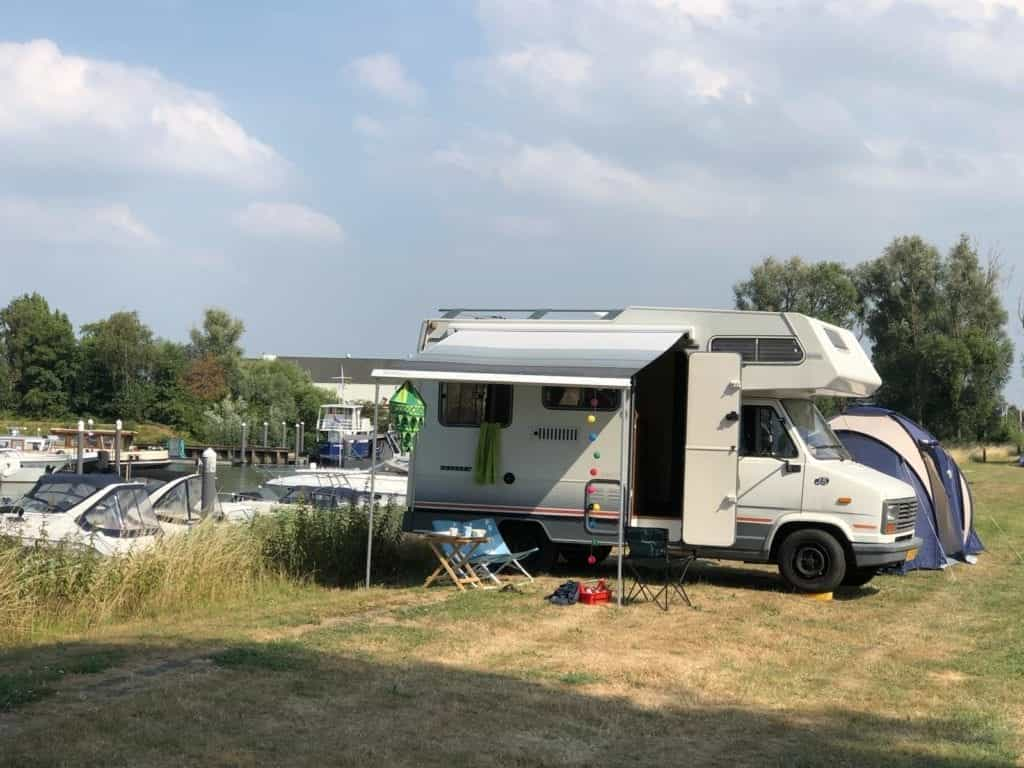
593, 358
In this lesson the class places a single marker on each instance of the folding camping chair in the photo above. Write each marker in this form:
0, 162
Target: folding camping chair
649, 550
491, 558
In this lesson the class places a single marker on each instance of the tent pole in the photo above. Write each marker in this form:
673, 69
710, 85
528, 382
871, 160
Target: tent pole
623, 465
373, 477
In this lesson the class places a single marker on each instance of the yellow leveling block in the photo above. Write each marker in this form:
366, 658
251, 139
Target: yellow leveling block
818, 595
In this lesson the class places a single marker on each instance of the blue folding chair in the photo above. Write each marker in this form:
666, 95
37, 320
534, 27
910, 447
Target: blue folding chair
490, 558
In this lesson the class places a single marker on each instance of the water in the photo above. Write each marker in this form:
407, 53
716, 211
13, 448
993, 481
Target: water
239, 478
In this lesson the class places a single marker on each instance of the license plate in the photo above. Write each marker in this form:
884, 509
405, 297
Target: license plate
911, 554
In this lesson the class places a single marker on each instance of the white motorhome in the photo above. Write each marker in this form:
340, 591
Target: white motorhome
693, 420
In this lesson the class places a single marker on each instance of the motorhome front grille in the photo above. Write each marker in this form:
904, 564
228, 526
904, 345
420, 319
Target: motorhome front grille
455, 468
904, 514
562, 434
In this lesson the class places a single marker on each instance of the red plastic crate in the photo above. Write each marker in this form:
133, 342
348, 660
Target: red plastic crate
598, 593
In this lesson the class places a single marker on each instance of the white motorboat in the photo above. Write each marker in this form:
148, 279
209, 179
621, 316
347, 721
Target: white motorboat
28, 457
96, 511
351, 485
178, 505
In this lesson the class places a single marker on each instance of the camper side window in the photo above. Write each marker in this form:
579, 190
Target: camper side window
467, 405
580, 398
763, 433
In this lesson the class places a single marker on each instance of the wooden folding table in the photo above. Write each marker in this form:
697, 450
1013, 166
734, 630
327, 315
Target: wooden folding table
454, 564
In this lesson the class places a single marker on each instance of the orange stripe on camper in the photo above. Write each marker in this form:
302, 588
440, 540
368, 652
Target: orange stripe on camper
758, 520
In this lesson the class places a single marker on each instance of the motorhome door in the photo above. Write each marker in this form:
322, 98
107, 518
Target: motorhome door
710, 480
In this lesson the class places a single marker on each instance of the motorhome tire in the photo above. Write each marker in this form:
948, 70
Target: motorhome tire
812, 560
577, 555
858, 577
521, 536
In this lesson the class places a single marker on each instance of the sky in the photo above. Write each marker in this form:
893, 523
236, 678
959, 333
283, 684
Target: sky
334, 172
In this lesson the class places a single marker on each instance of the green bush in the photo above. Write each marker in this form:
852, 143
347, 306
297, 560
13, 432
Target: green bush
329, 545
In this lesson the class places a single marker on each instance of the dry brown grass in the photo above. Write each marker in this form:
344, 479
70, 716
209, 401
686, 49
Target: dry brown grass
925, 670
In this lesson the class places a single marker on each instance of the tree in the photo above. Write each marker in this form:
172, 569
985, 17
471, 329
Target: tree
117, 366
6, 385
825, 290
219, 339
937, 327
41, 356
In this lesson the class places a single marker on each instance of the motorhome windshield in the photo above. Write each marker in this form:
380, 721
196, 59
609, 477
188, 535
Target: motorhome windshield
815, 431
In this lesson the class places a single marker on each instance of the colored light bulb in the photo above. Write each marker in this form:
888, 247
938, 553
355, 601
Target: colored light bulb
593, 402
593, 472
591, 418
591, 489
592, 436
597, 454
596, 507
591, 560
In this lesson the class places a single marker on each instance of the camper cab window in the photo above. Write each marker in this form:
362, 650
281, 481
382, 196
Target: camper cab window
468, 405
580, 398
815, 431
763, 433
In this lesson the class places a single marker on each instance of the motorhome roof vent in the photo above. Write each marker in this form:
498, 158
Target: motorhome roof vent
562, 434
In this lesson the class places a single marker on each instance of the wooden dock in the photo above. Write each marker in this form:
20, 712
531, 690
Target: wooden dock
255, 454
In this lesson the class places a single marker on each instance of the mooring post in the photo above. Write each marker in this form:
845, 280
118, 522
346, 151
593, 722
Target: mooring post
296, 442
117, 446
302, 435
79, 447
265, 443
209, 484
244, 435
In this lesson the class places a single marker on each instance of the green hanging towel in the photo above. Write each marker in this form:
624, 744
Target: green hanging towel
488, 449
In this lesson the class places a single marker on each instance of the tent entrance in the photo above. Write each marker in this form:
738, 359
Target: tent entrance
659, 434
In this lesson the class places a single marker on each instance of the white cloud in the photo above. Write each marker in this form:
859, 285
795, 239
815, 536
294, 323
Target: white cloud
699, 79
60, 110
543, 66
69, 223
567, 172
383, 74
288, 220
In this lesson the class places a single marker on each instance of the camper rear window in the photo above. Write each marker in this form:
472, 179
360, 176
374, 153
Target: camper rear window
467, 405
580, 398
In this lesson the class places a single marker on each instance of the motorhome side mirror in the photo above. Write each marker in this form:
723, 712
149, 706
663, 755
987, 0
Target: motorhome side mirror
732, 416
789, 467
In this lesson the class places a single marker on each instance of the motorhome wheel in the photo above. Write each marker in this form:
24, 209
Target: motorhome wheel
811, 560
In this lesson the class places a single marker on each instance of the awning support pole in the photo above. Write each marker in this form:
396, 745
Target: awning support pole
373, 477
627, 409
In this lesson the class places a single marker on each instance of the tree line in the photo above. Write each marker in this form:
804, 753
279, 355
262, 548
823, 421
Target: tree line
933, 322
116, 368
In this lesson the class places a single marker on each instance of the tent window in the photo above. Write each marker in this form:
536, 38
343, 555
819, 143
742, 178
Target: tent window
467, 405
763, 433
580, 398
779, 349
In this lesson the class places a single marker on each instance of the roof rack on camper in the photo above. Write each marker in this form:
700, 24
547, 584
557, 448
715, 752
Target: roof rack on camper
531, 314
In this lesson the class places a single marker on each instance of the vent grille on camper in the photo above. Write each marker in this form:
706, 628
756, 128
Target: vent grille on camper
906, 515
561, 434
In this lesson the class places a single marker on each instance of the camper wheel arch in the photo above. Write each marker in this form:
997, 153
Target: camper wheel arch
521, 535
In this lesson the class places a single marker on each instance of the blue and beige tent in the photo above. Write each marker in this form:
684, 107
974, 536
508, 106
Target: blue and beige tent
893, 444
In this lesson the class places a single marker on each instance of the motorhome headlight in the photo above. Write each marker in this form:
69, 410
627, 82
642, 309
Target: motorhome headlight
889, 513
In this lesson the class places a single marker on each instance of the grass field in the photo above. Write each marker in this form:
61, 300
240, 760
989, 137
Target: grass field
923, 670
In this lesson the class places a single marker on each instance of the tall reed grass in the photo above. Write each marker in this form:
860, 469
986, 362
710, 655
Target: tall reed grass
59, 585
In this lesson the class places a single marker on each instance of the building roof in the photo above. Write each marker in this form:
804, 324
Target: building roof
325, 370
